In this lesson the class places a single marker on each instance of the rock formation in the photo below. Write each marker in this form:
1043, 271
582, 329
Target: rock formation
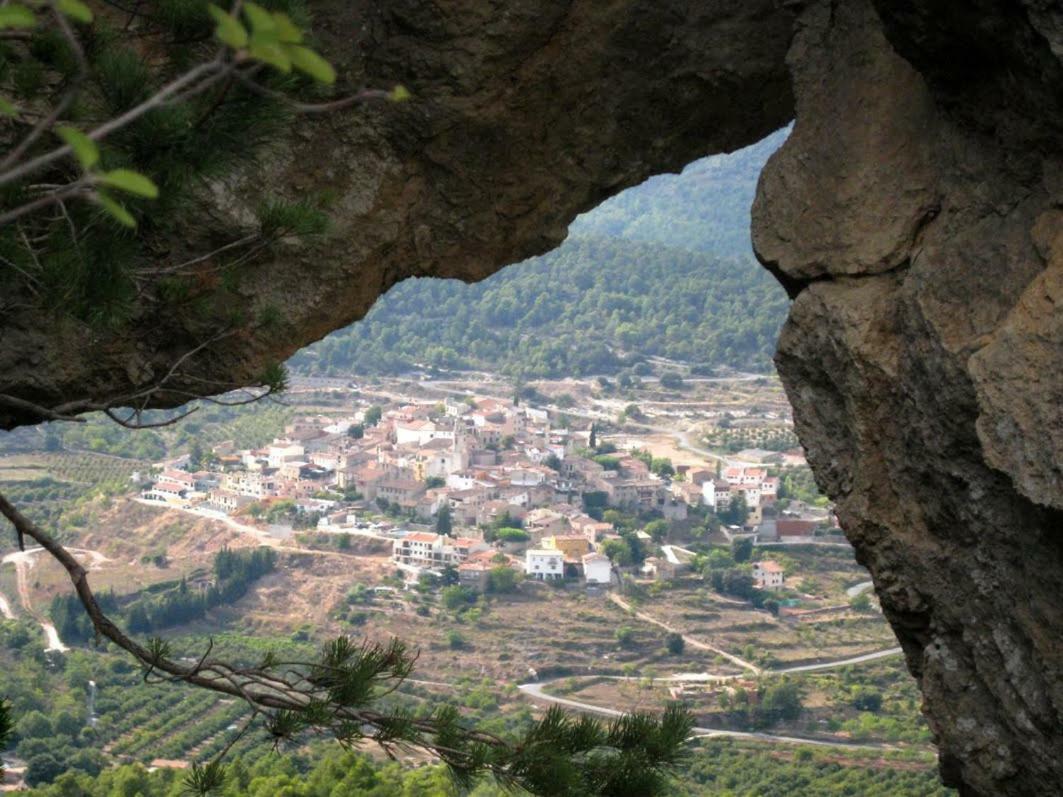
525, 114
915, 216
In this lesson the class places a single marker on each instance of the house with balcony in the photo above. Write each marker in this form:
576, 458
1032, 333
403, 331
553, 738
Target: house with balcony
544, 564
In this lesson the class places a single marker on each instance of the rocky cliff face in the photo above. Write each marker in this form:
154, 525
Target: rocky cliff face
527, 113
915, 215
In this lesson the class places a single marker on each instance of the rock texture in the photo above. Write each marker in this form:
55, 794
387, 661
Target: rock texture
915, 216
527, 113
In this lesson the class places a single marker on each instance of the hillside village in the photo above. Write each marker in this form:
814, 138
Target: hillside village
576, 544
477, 485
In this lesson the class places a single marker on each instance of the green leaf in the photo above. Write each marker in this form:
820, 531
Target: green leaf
116, 209
261, 20
85, 149
131, 182
7, 108
399, 94
16, 16
270, 53
76, 10
306, 60
287, 31
229, 30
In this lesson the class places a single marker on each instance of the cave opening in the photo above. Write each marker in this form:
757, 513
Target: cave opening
646, 342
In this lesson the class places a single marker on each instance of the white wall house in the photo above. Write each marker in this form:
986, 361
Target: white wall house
165, 490
422, 549
281, 453
768, 574
708, 493
544, 565
597, 569
420, 432
249, 483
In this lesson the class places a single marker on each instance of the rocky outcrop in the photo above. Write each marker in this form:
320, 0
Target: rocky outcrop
526, 113
915, 216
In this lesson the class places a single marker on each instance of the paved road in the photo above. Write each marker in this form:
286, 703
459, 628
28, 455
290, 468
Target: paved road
683, 441
832, 665
856, 589
536, 691
698, 644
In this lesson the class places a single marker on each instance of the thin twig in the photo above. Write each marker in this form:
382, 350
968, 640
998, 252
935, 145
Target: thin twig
158, 98
311, 107
78, 188
45, 123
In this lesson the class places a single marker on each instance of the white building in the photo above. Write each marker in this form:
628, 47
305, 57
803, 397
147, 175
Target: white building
420, 432
544, 565
768, 574
745, 476
252, 484
708, 493
597, 569
165, 490
422, 549
282, 452
769, 488
525, 477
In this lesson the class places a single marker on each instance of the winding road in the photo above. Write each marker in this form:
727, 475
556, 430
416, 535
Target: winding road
23, 561
537, 691
856, 589
263, 537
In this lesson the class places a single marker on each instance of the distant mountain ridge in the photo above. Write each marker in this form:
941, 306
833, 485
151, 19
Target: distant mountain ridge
705, 209
663, 269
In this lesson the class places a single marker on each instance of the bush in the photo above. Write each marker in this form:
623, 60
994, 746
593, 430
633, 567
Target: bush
625, 636
502, 579
742, 549
675, 644
866, 699
512, 535
860, 603
456, 597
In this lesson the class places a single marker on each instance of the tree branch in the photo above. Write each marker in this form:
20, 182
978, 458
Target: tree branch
164, 94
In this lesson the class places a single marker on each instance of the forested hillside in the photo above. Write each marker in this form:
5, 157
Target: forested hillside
664, 269
705, 209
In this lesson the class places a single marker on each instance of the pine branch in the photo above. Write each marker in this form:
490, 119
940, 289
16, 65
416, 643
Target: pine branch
336, 694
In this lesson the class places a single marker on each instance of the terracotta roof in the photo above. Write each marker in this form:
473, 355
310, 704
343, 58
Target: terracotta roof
794, 528
421, 536
769, 566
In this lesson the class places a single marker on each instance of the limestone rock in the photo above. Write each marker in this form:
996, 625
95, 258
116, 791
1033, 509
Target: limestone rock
526, 113
914, 214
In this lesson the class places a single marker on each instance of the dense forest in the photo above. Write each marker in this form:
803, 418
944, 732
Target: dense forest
664, 269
